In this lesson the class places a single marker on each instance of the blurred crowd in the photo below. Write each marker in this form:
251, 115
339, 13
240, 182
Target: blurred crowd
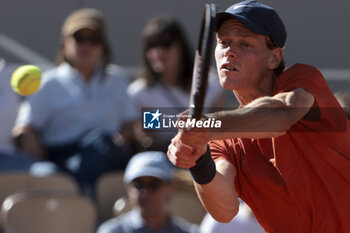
86, 121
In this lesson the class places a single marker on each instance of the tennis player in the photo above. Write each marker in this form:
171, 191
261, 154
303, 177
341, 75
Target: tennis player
286, 150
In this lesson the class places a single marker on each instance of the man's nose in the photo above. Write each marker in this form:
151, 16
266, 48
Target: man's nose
143, 192
230, 51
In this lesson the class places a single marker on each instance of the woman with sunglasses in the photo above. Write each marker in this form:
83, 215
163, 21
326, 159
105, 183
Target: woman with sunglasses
82, 105
165, 75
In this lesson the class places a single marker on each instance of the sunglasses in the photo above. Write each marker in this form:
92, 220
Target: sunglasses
162, 43
91, 39
152, 185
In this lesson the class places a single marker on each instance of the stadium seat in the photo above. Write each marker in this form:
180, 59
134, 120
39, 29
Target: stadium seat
110, 187
48, 212
12, 182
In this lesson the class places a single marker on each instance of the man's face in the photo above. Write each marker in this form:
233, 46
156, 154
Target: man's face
84, 48
150, 194
242, 57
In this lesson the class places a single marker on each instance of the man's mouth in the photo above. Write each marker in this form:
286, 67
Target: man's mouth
228, 66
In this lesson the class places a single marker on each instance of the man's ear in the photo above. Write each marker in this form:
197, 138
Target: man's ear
275, 58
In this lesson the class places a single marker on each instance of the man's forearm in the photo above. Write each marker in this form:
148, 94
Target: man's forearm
269, 116
219, 196
250, 123
27, 139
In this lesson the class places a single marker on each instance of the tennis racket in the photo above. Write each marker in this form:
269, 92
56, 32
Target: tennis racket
202, 60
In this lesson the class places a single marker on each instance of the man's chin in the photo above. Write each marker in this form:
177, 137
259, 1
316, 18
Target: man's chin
227, 85
85, 62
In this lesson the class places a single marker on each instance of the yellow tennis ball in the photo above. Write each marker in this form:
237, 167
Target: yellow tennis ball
26, 79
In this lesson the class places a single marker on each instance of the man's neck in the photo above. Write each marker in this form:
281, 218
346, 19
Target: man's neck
156, 221
264, 88
85, 71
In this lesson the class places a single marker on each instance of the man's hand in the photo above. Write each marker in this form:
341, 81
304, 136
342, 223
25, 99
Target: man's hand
186, 147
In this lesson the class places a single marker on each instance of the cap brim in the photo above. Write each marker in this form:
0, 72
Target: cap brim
222, 16
69, 30
157, 173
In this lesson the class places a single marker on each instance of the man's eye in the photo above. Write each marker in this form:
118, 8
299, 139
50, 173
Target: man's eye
223, 42
245, 44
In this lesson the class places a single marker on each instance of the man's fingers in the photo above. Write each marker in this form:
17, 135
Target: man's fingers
186, 148
184, 115
180, 146
181, 155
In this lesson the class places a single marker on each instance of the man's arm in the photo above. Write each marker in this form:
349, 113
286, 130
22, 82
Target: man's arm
264, 117
28, 140
219, 197
127, 134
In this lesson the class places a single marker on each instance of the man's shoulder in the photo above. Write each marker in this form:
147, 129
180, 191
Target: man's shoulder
53, 74
182, 226
116, 225
299, 76
301, 68
117, 76
110, 226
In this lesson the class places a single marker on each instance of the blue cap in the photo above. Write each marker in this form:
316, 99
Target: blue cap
149, 163
257, 17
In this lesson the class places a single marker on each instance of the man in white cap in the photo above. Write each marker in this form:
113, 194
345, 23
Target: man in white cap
148, 177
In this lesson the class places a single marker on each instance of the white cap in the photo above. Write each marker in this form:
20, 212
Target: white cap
149, 163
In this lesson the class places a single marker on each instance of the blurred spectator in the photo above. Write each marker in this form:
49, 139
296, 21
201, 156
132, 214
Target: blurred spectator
244, 222
343, 98
166, 74
81, 117
148, 177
